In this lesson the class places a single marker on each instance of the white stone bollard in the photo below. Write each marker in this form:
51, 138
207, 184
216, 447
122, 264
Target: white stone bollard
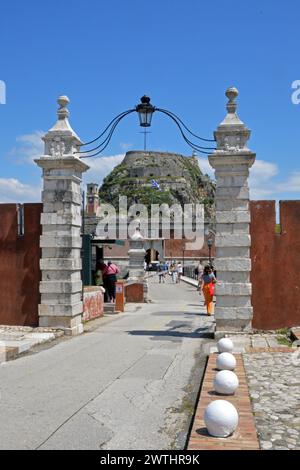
226, 382
221, 418
226, 361
225, 345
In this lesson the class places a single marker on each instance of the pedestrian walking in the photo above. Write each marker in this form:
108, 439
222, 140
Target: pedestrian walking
208, 281
199, 270
180, 271
174, 273
110, 275
161, 273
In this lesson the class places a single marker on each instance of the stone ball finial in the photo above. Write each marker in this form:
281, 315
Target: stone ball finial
231, 94
63, 101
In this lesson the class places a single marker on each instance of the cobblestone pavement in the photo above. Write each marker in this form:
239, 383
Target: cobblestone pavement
274, 385
242, 343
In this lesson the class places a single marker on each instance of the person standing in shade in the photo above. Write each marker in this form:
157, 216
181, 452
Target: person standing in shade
207, 287
111, 278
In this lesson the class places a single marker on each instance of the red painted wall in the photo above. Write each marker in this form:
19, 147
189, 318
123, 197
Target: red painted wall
93, 303
177, 249
134, 292
275, 259
19, 265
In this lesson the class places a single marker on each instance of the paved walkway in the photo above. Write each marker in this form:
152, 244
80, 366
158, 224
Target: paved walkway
274, 383
128, 384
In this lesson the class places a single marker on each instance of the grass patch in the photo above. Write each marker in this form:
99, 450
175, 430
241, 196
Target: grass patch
186, 407
283, 331
283, 340
278, 229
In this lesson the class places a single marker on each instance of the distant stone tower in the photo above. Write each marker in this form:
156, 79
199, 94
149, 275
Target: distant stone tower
92, 198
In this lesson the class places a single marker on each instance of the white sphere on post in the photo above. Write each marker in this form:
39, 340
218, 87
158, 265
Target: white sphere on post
225, 345
221, 418
226, 382
226, 361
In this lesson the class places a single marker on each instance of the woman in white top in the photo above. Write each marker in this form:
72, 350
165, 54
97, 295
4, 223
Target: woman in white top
180, 271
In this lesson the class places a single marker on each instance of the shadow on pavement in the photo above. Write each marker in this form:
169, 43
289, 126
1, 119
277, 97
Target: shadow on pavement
170, 314
172, 335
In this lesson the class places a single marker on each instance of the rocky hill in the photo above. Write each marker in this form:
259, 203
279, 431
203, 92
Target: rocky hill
179, 177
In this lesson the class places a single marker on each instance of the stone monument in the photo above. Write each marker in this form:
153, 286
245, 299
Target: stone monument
137, 287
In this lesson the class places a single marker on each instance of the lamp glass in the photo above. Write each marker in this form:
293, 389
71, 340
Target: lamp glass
145, 116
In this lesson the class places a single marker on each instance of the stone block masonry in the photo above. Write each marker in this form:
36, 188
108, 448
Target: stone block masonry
61, 287
231, 161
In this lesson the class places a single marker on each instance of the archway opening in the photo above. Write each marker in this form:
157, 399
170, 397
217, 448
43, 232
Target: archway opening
151, 255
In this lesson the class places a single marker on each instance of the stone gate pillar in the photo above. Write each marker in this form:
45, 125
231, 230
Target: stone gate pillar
136, 255
231, 161
61, 287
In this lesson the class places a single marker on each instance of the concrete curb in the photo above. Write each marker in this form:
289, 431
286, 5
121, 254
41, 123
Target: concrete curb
188, 280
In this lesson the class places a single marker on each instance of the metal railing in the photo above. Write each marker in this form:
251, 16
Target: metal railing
189, 271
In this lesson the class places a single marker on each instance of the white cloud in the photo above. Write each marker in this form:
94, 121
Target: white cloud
206, 168
261, 183
29, 147
13, 190
100, 167
292, 184
261, 174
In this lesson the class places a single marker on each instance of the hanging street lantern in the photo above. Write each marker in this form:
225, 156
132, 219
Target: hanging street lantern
145, 111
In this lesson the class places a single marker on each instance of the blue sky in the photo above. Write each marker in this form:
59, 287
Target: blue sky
183, 53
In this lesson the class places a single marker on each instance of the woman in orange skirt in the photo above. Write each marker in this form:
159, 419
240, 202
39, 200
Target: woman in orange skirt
208, 281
